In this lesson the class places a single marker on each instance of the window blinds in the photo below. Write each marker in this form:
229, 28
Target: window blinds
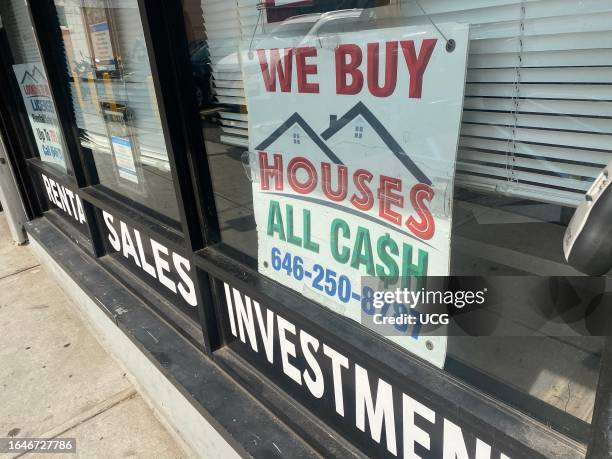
16, 22
538, 97
135, 88
227, 24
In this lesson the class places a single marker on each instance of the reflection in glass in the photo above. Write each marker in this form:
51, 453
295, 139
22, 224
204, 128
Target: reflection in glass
114, 100
33, 86
530, 146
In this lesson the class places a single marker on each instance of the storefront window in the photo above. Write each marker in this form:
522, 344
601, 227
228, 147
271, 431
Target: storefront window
33, 87
114, 100
414, 139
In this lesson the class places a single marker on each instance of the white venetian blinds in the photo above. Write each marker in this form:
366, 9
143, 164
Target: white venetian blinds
134, 89
537, 120
16, 21
228, 23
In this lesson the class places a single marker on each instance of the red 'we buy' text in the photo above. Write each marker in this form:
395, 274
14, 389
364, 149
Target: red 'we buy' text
356, 67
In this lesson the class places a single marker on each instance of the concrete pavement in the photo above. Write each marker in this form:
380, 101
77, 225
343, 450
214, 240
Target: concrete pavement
55, 378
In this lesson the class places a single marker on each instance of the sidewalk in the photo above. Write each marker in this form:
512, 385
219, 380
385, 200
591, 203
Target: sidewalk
56, 380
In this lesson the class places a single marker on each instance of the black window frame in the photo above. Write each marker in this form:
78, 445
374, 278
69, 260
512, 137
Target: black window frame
199, 240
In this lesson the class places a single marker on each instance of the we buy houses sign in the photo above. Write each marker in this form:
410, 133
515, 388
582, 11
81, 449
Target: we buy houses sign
353, 141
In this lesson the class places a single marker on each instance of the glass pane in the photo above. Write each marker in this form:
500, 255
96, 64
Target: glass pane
33, 87
500, 235
530, 143
114, 100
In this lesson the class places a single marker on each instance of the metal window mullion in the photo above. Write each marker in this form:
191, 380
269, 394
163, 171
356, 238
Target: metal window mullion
166, 43
172, 78
45, 23
18, 137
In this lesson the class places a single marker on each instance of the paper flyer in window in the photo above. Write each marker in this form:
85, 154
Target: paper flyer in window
39, 106
102, 46
124, 158
352, 144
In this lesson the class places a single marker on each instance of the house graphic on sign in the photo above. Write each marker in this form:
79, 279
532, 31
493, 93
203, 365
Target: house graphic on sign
357, 127
296, 135
35, 76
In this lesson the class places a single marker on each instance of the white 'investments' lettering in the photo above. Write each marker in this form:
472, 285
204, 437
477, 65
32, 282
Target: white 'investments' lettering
409, 426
